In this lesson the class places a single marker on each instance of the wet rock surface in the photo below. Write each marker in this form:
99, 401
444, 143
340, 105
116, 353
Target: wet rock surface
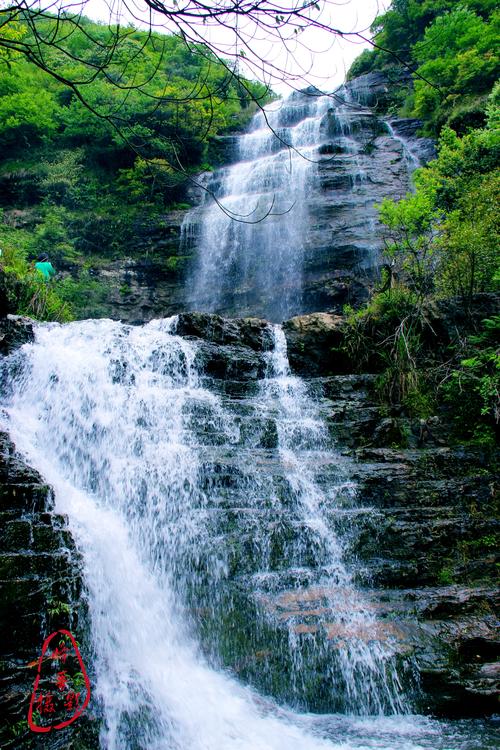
314, 343
423, 533
14, 332
252, 332
421, 526
363, 157
151, 285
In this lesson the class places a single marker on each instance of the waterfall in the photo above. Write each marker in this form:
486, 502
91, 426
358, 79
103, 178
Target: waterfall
296, 213
412, 160
361, 670
182, 503
251, 254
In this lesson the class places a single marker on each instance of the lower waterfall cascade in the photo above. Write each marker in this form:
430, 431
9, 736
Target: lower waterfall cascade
193, 513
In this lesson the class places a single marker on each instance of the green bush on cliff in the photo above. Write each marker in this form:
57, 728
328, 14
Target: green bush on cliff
441, 241
25, 293
444, 237
472, 387
457, 67
410, 240
387, 337
451, 49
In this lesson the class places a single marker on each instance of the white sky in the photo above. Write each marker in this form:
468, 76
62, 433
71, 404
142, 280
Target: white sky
318, 57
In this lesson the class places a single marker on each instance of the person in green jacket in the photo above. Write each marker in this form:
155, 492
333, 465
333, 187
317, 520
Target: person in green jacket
45, 267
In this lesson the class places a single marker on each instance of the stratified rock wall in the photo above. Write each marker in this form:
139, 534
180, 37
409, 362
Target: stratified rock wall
364, 158
420, 528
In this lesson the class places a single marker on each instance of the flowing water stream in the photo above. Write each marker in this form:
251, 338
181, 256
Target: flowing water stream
296, 204
191, 511
255, 246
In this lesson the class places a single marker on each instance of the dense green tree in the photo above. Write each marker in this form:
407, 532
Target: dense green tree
452, 49
444, 237
458, 64
84, 170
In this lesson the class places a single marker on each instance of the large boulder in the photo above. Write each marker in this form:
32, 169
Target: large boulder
252, 332
315, 344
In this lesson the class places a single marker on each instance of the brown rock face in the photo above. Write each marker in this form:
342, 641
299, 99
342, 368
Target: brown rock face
314, 343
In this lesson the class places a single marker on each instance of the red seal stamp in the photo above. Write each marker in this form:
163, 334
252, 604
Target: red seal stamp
61, 692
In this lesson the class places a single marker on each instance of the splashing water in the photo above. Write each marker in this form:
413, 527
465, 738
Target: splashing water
412, 160
161, 477
298, 203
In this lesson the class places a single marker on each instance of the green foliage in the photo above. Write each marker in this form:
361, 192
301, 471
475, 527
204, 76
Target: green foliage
469, 241
61, 176
55, 608
26, 291
409, 242
487, 542
82, 294
146, 179
51, 236
472, 387
441, 241
457, 59
453, 49
27, 115
446, 576
19, 728
444, 237
386, 336
165, 97
150, 116
401, 381
84, 177
40, 300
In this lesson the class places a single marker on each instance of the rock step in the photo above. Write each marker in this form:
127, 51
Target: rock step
420, 620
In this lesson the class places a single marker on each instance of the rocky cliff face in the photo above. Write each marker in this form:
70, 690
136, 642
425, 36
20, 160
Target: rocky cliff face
364, 158
421, 528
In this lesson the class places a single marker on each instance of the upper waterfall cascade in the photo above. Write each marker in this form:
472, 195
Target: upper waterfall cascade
256, 246
294, 215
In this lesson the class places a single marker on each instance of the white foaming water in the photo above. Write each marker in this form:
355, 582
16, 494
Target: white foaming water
252, 256
347, 111
111, 416
97, 434
362, 668
412, 161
